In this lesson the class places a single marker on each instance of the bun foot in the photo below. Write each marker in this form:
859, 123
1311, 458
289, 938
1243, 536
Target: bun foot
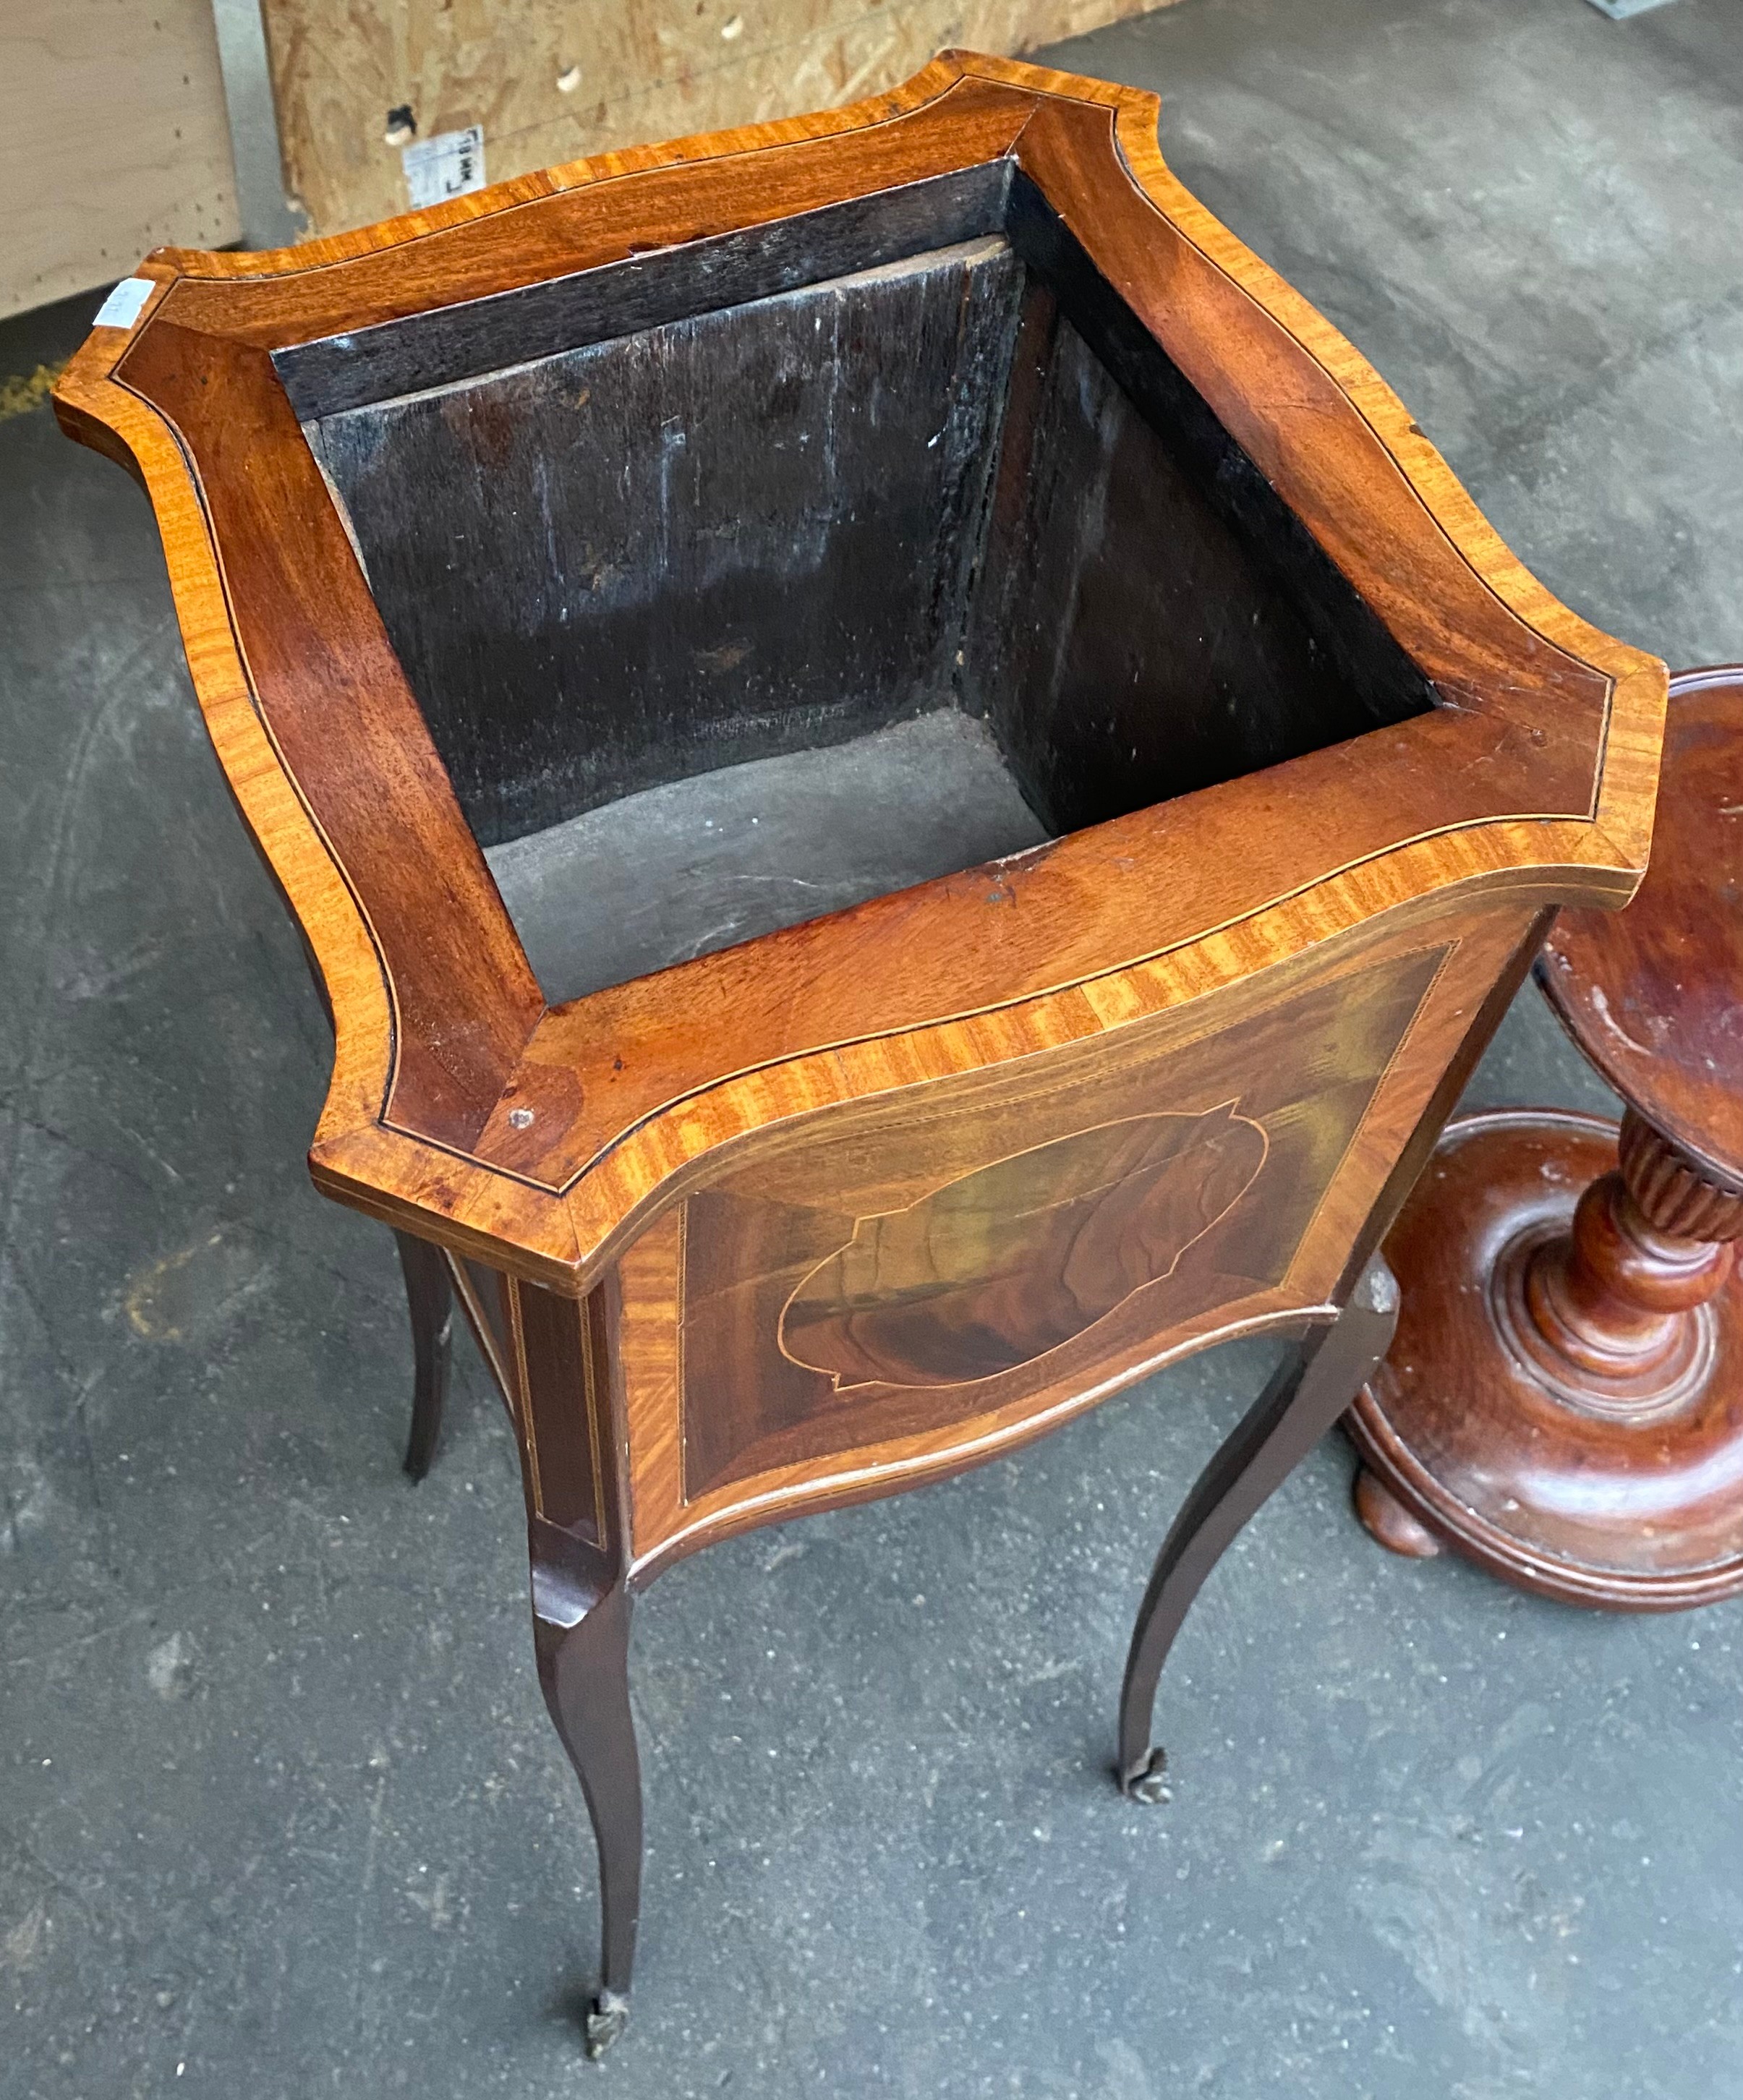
1145, 1781
607, 2018
1386, 1520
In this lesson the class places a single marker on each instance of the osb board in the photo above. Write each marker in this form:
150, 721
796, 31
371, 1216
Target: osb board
658, 69
113, 140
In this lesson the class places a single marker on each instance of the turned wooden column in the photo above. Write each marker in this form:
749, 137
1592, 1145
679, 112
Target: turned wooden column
1563, 1400
1615, 1315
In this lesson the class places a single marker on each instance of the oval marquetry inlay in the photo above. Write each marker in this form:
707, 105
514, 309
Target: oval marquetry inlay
1013, 1259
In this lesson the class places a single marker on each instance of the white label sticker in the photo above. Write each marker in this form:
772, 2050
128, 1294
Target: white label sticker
447, 165
125, 303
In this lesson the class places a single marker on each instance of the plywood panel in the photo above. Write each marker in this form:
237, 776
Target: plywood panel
113, 140
557, 79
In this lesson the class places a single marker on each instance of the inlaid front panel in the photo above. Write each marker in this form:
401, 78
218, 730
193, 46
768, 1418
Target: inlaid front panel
950, 1254
1012, 1260
906, 1283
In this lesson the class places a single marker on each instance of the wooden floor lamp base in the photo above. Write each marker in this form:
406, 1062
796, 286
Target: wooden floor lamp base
1564, 1401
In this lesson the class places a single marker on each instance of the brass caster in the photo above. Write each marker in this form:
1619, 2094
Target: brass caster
1145, 1782
607, 2018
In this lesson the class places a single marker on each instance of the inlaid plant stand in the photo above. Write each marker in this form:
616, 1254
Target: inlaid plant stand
947, 418
1564, 1401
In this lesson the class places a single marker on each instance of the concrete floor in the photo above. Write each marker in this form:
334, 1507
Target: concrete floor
280, 1812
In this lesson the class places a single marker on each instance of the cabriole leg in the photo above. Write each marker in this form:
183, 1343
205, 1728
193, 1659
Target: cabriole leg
584, 1670
1312, 1388
429, 1299
570, 1421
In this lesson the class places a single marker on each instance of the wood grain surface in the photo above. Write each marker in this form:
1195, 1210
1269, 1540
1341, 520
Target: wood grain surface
1560, 1405
1500, 757
1585, 1450
1538, 755
1319, 1075
1654, 996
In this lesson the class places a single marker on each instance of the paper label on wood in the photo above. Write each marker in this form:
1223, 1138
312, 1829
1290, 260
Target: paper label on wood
124, 304
447, 165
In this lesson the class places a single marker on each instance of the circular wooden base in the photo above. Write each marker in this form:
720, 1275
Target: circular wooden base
1464, 1439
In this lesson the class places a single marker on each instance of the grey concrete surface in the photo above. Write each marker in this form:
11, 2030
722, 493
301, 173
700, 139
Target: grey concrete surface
280, 1812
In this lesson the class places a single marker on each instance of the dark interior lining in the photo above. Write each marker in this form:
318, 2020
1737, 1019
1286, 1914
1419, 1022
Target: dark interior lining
964, 475
749, 533
1141, 628
479, 336
1347, 674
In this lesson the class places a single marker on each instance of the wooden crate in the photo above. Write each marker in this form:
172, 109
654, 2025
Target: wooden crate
115, 140
548, 81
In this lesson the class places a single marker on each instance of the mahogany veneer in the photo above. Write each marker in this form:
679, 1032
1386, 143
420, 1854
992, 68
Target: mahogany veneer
708, 452
1564, 1402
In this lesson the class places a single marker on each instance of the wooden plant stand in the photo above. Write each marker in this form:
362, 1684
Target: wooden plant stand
950, 404
1564, 1401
